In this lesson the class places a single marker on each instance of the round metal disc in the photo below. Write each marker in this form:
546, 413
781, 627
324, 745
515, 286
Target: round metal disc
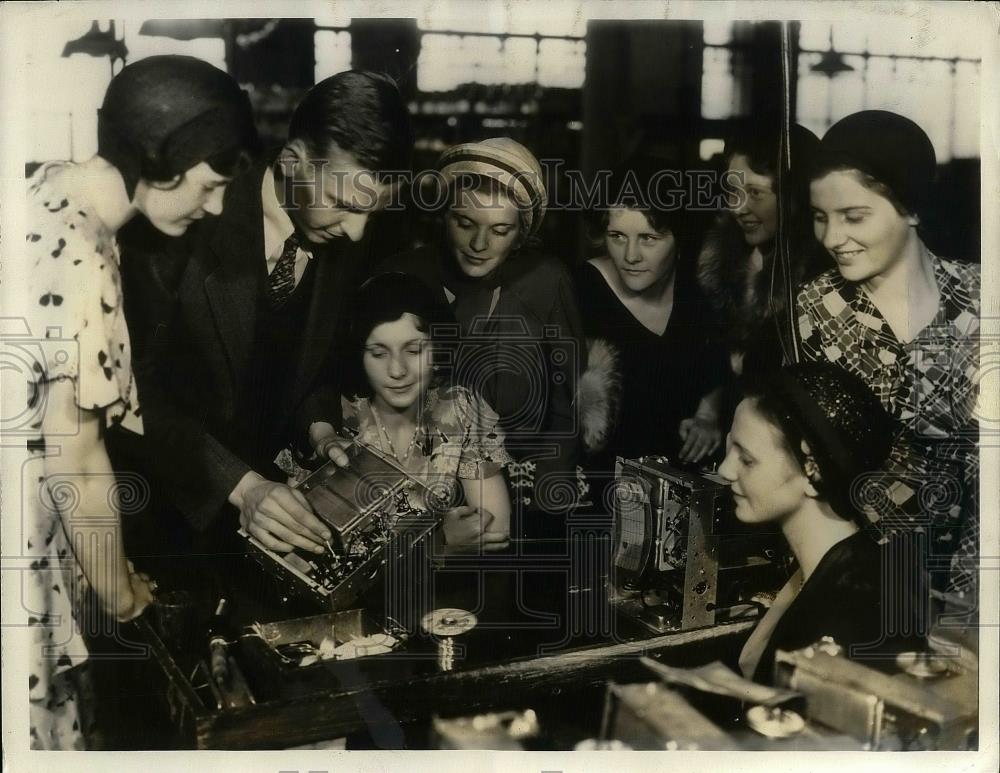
775, 722
448, 622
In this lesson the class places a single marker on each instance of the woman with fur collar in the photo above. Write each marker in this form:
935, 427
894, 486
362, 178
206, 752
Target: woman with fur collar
736, 266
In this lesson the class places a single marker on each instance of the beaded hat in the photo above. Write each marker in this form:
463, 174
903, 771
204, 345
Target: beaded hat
848, 431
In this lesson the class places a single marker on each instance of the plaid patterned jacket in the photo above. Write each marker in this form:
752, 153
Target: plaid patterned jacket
930, 384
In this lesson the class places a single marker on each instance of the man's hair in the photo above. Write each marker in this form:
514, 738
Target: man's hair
363, 114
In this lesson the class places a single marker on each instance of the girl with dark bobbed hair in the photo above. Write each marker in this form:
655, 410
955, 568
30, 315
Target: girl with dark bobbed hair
803, 445
399, 399
172, 131
900, 318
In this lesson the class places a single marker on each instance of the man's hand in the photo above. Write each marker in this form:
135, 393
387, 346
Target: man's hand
281, 519
701, 437
467, 529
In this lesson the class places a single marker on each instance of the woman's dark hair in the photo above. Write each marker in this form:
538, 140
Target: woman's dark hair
386, 298
865, 179
363, 114
759, 145
847, 430
163, 115
759, 149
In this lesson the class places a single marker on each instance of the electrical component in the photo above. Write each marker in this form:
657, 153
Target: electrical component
367, 507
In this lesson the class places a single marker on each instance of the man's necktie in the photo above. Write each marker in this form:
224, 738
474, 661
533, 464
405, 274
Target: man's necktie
281, 282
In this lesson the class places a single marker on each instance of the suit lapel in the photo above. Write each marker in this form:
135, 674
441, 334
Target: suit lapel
334, 268
233, 287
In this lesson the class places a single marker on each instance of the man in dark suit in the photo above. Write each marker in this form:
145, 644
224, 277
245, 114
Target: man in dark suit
238, 356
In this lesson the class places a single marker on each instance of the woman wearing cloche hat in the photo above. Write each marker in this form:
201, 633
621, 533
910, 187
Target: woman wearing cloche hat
899, 317
172, 131
804, 442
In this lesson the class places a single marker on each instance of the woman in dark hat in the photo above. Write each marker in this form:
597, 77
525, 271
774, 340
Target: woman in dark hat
801, 446
522, 339
899, 317
641, 299
739, 265
172, 131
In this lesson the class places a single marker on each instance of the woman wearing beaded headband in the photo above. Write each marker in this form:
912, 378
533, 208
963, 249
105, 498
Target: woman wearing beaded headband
802, 443
901, 318
172, 131
522, 339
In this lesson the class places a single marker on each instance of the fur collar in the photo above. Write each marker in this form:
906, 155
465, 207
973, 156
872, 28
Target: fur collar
723, 267
598, 395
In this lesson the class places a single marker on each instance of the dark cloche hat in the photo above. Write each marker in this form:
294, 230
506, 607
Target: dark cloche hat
887, 146
164, 114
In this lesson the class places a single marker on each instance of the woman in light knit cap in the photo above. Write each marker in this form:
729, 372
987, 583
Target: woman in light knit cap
522, 338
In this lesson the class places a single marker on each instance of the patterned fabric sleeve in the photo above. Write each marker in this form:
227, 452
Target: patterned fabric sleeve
349, 411
483, 452
810, 341
74, 304
915, 490
76, 346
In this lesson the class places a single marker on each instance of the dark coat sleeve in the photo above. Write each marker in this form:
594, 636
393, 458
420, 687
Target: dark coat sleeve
545, 296
194, 469
563, 420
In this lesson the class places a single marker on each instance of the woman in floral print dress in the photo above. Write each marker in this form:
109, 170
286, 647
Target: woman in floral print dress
904, 320
172, 132
398, 402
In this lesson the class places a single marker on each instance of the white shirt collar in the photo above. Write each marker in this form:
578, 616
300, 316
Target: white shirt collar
278, 226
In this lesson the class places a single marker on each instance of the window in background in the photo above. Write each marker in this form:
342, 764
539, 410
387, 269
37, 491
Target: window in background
723, 73
561, 63
211, 48
65, 92
718, 87
902, 68
503, 19
504, 49
710, 148
333, 53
